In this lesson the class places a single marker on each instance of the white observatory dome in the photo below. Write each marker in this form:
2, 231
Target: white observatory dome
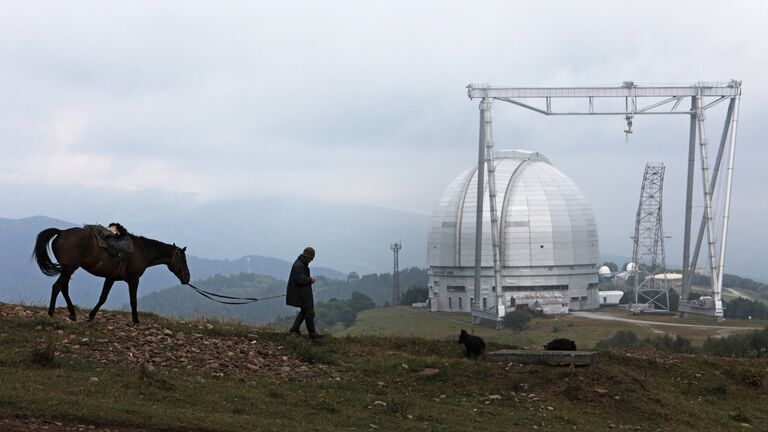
547, 234
604, 271
631, 267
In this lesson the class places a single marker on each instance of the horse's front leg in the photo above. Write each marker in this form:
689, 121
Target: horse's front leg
104, 293
133, 288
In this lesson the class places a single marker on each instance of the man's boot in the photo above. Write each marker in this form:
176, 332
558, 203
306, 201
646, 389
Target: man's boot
297, 324
313, 334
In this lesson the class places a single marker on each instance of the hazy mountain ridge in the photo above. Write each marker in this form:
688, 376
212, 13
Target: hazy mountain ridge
347, 237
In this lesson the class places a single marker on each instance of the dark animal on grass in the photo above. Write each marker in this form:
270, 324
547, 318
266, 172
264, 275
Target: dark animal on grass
475, 345
560, 344
76, 248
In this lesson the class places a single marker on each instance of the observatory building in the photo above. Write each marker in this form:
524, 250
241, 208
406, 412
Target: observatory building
548, 241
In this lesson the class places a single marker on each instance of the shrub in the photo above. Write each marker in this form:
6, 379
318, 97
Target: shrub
517, 320
336, 311
622, 339
415, 294
44, 356
741, 308
149, 377
667, 343
310, 352
754, 344
360, 302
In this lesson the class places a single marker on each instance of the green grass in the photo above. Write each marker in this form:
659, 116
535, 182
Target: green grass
404, 321
393, 382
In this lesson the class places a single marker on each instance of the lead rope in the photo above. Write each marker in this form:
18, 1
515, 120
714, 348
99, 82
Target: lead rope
240, 300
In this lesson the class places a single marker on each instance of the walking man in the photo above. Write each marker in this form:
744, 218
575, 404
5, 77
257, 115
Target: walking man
299, 293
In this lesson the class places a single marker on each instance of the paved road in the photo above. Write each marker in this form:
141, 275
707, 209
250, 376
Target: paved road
598, 316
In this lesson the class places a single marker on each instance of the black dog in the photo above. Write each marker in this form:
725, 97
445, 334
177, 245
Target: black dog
475, 345
561, 344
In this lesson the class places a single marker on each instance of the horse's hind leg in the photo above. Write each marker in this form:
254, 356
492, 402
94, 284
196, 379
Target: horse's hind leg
104, 293
55, 289
64, 287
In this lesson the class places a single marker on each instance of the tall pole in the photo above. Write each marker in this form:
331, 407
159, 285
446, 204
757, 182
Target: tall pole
396, 275
485, 106
707, 195
491, 166
713, 182
726, 210
689, 204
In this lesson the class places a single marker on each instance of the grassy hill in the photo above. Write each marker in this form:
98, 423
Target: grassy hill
214, 376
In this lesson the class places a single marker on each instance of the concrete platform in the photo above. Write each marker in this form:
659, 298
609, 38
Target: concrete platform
552, 358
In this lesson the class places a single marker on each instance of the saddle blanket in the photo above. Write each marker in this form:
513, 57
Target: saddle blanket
116, 245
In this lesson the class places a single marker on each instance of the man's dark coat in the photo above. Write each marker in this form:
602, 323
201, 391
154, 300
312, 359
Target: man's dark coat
299, 291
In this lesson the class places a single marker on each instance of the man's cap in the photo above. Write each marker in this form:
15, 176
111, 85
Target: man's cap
308, 252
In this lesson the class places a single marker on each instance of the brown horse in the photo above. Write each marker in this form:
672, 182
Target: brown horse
78, 247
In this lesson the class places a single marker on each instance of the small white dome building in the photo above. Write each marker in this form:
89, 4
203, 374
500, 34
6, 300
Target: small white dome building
604, 271
548, 248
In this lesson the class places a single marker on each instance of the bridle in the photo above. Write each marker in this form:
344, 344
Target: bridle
176, 250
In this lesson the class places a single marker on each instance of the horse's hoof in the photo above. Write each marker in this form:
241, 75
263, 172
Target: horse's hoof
90, 318
73, 317
50, 313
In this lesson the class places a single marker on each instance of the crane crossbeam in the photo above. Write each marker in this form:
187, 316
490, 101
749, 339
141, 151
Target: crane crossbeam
475, 91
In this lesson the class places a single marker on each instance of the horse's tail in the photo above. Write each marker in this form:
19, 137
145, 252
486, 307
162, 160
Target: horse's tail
40, 254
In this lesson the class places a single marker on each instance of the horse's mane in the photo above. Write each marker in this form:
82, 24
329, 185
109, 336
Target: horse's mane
150, 242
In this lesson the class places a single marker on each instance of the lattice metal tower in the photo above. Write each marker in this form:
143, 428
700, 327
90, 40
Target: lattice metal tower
651, 293
396, 275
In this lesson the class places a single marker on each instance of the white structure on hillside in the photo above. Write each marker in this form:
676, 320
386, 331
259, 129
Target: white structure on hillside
548, 240
671, 280
610, 298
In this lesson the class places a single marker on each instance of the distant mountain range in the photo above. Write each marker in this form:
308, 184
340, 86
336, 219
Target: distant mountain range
22, 282
347, 237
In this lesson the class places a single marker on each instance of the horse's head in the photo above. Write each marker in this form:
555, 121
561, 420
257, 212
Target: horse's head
178, 264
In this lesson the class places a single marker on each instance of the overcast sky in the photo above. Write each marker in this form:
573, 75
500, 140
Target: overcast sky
362, 101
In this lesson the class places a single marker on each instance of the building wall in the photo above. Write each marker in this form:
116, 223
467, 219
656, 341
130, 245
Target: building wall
578, 286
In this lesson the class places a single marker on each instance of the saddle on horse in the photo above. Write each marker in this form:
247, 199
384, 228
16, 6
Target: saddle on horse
114, 239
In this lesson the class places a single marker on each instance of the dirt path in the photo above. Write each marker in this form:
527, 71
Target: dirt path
738, 294
597, 316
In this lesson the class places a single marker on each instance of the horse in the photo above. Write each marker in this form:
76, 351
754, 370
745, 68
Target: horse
78, 247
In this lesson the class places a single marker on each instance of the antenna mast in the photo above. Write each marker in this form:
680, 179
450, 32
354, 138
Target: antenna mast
396, 275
